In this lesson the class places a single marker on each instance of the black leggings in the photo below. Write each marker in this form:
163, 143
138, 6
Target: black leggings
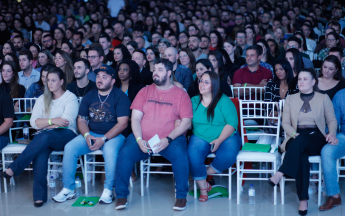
296, 163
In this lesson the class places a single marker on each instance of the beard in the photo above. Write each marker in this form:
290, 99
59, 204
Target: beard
81, 76
105, 88
49, 47
162, 81
17, 48
194, 49
225, 20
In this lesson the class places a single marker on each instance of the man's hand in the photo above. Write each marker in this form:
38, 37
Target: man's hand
161, 145
263, 82
143, 147
98, 143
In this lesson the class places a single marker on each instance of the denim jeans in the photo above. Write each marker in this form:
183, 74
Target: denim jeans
38, 151
3, 142
226, 155
130, 153
78, 146
329, 156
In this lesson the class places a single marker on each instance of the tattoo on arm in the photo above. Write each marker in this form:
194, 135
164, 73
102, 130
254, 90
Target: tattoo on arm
86, 118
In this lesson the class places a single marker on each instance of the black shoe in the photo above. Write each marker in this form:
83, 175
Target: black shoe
211, 182
270, 182
37, 205
304, 212
5, 175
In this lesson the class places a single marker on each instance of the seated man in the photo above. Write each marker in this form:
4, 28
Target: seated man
107, 110
330, 154
154, 111
252, 75
6, 117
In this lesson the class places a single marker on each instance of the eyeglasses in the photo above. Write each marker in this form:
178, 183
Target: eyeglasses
92, 57
46, 41
191, 30
156, 38
205, 82
331, 40
266, 17
291, 47
214, 37
162, 45
182, 37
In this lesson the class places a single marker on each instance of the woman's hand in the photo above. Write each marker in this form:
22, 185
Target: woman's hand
331, 139
295, 135
216, 143
60, 121
177, 123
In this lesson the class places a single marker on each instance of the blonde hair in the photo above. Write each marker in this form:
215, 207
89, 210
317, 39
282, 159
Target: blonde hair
68, 69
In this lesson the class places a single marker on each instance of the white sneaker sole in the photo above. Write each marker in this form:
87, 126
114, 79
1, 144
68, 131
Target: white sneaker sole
121, 206
103, 202
179, 208
73, 196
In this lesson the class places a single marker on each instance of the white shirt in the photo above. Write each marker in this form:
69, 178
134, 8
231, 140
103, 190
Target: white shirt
311, 44
115, 6
66, 107
45, 26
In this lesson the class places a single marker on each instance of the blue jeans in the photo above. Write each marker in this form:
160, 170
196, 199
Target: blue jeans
3, 142
38, 151
130, 153
226, 154
329, 156
78, 146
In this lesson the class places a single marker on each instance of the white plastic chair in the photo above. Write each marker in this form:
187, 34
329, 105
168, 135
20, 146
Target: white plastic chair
145, 166
340, 167
250, 93
231, 171
246, 156
312, 159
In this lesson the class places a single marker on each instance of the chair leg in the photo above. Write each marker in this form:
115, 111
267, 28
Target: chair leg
338, 168
3, 170
93, 169
195, 190
275, 187
239, 181
320, 182
148, 171
282, 190
229, 189
142, 178
85, 176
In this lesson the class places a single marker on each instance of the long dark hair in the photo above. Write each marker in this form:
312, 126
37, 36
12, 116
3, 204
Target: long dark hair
155, 51
46, 67
14, 57
331, 58
191, 57
220, 39
298, 61
14, 85
303, 38
219, 57
269, 57
216, 94
206, 63
288, 71
134, 72
276, 48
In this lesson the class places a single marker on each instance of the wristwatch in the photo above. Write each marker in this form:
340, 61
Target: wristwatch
169, 139
105, 139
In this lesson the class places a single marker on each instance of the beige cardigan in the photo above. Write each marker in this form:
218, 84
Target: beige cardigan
321, 107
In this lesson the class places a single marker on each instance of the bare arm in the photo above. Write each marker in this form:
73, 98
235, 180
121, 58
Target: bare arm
183, 127
8, 122
136, 128
82, 124
122, 123
56, 122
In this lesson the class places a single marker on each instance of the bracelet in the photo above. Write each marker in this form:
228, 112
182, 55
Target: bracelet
50, 121
245, 84
86, 134
139, 138
293, 134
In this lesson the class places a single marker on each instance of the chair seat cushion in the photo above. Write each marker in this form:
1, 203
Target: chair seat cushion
257, 156
97, 152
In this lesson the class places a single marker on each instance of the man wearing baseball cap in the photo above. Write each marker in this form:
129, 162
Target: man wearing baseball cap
107, 110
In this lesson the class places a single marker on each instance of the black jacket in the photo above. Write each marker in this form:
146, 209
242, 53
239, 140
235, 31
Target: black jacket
146, 77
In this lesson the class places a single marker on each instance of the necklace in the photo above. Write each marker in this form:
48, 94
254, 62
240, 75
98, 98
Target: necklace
102, 102
76, 88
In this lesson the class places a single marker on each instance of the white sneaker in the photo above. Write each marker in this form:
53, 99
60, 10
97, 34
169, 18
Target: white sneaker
107, 197
65, 194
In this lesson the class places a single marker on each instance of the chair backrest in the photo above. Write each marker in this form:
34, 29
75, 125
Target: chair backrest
249, 93
236, 102
250, 111
24, 104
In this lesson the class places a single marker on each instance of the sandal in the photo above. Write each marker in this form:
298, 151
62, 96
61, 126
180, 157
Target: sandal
204, 198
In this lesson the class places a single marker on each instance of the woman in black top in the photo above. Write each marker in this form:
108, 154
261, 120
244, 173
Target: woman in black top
10, 83
331, 79
129, 78
203, 65
282, 84
266, 52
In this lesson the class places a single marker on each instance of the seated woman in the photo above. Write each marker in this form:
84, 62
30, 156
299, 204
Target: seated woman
6, 117
236, 59
186, 58
214, 130
203, 65
56, 108
10, 83
64, 62
152, 54
37, 89
120, 53
44, 57
277, 51
282, 84
332, 40
304, 120
331, 79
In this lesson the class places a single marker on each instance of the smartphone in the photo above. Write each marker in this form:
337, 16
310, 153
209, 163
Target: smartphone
91, 141
212, 146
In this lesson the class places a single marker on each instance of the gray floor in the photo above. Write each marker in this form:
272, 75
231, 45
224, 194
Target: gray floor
159, 200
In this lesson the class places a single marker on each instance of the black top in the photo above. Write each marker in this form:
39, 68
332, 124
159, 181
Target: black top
146, 77
233, 67
306, 98
103, 117
193, 89
331, 92
6, 108
272, 91
110, 57
80, 92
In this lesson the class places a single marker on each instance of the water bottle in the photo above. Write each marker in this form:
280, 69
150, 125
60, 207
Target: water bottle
26, 131
251, 194
52, 187
78, 186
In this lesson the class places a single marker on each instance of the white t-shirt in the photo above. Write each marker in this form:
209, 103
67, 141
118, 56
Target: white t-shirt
45, 26
115, 6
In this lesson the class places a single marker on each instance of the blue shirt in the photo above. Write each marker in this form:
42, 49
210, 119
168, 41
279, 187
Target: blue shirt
34, 91
184, 76
339, 108
27, 81
91, 75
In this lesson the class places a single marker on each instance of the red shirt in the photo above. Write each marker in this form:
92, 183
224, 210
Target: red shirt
243, 75
212, 48
115, 42
161, 109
